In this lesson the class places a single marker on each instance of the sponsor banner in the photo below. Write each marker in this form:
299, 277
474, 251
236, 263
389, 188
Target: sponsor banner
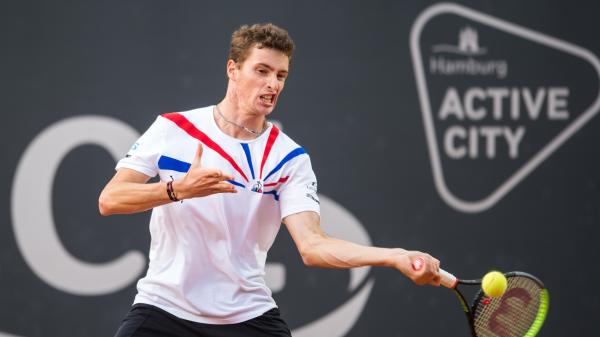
492, 110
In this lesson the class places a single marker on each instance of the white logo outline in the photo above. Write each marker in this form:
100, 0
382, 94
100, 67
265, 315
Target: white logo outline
538, 158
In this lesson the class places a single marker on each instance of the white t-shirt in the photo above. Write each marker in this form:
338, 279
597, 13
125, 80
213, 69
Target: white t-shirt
207, 255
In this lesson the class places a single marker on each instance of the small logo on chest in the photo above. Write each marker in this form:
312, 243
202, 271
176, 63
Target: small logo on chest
257, 186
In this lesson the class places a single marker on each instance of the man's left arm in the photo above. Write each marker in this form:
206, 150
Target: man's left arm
320, 250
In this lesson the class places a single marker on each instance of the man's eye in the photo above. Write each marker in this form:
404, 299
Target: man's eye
262, 71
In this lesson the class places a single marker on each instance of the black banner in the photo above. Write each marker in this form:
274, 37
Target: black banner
468, 131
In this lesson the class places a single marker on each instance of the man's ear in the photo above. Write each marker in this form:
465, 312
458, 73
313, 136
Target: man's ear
232, 70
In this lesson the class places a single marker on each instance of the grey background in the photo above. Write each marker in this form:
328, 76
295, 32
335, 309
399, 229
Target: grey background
351, 101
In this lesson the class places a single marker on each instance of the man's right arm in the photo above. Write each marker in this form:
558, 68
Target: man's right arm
128, 191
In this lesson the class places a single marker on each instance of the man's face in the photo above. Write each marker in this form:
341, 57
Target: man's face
259, 80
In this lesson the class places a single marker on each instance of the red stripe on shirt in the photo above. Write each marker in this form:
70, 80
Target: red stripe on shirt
272, 137
281, 180
188, 127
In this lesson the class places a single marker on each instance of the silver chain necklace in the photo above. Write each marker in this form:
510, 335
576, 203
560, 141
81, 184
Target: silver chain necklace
256, 133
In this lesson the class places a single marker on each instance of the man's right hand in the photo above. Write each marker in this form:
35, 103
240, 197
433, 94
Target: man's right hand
428, 273
200, 181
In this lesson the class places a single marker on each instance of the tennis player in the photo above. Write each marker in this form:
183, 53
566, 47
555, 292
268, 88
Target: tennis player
228, 179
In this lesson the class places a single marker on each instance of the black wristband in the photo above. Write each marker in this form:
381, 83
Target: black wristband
171, 192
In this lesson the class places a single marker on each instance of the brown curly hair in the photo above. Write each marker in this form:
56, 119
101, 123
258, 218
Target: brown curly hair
260, 35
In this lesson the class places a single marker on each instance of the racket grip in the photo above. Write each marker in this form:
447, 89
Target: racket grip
448, 280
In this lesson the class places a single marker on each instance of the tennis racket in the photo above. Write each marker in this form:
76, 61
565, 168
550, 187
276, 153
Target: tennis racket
519, 312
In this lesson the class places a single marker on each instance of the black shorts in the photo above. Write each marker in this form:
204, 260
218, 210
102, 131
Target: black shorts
145, 320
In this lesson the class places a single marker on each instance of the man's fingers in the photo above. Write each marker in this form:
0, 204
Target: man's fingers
426, 269
436, 281
198, 156
418, 263
220, 175
226, 176
217, 175
225, 187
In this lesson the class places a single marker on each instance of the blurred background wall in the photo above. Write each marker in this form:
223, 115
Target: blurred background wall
465, 130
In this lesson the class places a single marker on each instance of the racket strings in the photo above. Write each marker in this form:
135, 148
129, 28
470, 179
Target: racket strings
511, 314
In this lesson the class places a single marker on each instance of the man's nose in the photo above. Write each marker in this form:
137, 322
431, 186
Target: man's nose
273, 83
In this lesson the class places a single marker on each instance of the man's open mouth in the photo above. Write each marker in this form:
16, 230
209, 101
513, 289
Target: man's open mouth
268, 99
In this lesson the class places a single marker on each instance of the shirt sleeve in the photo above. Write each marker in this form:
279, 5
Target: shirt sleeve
299, 192
145, 152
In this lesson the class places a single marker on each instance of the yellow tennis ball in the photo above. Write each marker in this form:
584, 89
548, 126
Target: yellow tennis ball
494, 284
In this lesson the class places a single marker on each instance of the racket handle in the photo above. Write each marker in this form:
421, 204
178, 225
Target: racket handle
446, 279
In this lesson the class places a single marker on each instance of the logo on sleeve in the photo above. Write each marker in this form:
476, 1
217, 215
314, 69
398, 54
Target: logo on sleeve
311, 189
132, 149
497, 99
